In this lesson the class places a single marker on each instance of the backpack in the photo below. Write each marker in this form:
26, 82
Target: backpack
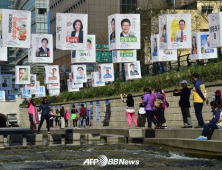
158, 103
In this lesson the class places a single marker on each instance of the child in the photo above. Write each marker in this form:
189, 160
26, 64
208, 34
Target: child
82, 117
51, 116
66, 118
214, 123
74, 112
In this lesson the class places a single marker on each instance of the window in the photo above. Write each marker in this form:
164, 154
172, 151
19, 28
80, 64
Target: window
206, 10
42, 11
128, 6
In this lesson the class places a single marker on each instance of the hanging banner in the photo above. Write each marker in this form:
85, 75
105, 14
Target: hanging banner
16, 28
96, 81
132, 70
70, 89
124, 56
161, 55
107, 72
126, 34
14, 90
32, 84
204, 51
6, 80
41, 93
41, 50
52, 74
4, 53
36, 90
22, 74
194, 52
97, 111
79, 73
163, 32
215, 32
2, 96
53, 86
25, 93
85, 56
54, 92
71, 31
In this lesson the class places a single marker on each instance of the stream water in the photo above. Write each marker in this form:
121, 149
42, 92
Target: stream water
73, 155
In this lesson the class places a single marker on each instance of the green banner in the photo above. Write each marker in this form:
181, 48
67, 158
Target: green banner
126, 53
104, 56
128, 39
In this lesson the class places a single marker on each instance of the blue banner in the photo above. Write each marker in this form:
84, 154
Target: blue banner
97, 111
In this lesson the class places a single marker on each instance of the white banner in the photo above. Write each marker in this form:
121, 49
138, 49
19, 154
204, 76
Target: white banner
107, 72
124, 56
132, 70
70, 89
16, 28
42, 92
4, 54
215, 32
36, 90
79, 73
85, 56
32, 84
53, 86
2, 96
52, 74
25, 93
71, 31
54, 92
124, 31
22, 74
96, 81
6, 80
41, 50
163, 32
161, 55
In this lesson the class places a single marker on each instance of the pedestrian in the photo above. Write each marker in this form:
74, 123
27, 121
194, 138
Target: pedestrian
158, 103
62, 115
214, 123
165, 106
149, 110
130, 110
66, 118
33, 114
57, 118
141, 121
51, 117
82, 118
74, 112
87, 118
217, 98
198, 99
44, 107
184, 103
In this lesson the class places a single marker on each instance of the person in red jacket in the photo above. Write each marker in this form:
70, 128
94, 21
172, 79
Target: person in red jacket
83, 115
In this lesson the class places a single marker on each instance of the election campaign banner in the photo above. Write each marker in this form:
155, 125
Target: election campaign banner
2, 96
41, 93
132, 70
96, 81
54, 92
194, 51
124, 56
4, 53
79, 73
52, 74
22, 74
32, 84
70, 89
107, 72
6, 81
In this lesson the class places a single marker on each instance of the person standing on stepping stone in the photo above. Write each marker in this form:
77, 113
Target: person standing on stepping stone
62, 114
184, 103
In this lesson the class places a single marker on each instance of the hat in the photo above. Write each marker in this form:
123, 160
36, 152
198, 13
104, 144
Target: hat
183, 82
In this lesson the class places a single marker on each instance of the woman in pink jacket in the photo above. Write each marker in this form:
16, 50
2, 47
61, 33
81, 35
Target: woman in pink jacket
66, 118
33, 114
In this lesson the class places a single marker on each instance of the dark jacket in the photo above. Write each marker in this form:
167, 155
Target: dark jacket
216, 116
83, 111
80, 36
42, 53
184, 97
62, 112
45, 107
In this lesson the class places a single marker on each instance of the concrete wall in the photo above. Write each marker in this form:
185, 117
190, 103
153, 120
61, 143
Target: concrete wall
118, 118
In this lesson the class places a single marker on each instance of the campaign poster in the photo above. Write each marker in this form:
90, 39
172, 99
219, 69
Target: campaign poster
0, 27
194, 52
14, 90
4, 53
70, 89
204, 50
124, 56
52, 74
32, 84
76, 85
6, 80
2, 96
215, 31
107, 72
54, 92
25, 93
36, 90
22, 74
41, 93
72, 31
179, 31
79, 73
95, 80
161, 55
112, 31
53, 86
85, 56
16, 28
133, 70
41, 50
163, 32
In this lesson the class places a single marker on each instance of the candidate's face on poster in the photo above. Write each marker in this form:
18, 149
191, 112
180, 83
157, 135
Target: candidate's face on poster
113, 25
54, 72
77, 32
132, 67
89, 45
42, 49
44, 43
125, 24
107, 72
208, 40
80, 71
182, 25
22, 73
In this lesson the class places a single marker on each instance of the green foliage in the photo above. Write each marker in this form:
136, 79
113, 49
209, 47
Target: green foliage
209, 73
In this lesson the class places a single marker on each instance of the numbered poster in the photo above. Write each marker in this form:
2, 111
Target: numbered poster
215, 31
6, 80
16, 28
132, 70
52, 74
70, 89
124, 56
161, 55
79, 73
96, 80
126, 34
4, 53
85, 56
107, 72
2, 96
71, 31
41, 50
54, 92
32, 84
22, 74
42, 92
